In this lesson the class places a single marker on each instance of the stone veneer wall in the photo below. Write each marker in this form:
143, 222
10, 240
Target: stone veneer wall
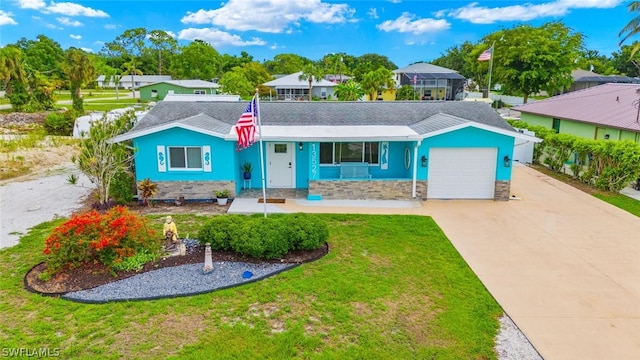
367, 189
502, 191
192, 190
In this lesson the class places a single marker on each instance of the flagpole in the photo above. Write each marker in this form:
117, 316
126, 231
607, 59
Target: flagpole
264, 189
493, 50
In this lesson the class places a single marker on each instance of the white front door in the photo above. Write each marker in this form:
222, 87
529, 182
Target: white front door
280, 165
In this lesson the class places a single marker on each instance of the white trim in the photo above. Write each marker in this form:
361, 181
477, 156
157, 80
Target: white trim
153, 130
384, 165
162, 158
186, 159
330, 133
206, 158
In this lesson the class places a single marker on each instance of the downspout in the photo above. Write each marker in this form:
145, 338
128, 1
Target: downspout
415, 168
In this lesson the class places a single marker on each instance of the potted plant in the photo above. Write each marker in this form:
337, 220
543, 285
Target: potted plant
222, 196
246, 170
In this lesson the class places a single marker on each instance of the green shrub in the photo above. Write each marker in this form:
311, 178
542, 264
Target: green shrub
60, 123
262, 238
305, 231
219, 231
122, 188
259, 237
136, 261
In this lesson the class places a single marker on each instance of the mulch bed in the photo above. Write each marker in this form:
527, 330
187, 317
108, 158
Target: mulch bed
93, 275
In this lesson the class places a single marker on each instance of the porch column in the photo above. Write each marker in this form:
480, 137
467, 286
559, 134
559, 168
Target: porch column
415, 168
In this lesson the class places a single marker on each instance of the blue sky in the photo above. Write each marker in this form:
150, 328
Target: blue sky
405, 31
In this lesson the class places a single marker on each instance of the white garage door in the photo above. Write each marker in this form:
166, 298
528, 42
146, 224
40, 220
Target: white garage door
461, 173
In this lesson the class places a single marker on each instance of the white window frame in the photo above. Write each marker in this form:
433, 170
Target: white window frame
364, 145
200, 92
186, 159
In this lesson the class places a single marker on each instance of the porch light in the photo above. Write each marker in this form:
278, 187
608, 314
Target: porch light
423, 161
300, 146
507, 161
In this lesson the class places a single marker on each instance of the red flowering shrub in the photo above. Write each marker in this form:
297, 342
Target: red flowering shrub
105, 238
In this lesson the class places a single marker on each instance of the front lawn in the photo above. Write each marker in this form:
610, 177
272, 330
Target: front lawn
392, 287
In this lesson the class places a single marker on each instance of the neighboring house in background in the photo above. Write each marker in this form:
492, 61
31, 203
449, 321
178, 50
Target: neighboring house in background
584, 79
157, 91
338, 78
125, 81
608, 112
332, 149
193, 97
431, 82
384, 95
290, 87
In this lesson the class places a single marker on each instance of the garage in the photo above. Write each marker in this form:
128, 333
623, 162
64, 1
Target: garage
461, 173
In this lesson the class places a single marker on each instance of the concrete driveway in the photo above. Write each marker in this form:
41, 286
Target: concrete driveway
564, 265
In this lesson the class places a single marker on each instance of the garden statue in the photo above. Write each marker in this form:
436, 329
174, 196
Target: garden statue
208, 259
170, 232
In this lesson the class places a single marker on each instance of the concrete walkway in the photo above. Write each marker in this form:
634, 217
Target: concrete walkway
564, 265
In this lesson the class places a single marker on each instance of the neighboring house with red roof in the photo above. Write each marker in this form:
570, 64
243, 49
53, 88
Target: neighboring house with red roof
608, 112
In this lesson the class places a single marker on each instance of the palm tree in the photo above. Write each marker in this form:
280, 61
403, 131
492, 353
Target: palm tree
131, 69
349, 91
633, 27
378, 80
311, 73
11, 67
79, 70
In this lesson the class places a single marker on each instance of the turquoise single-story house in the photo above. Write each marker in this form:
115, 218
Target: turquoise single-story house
334, 150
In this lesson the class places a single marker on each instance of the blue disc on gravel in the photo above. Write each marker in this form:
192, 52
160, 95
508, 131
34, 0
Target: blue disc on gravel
247, 275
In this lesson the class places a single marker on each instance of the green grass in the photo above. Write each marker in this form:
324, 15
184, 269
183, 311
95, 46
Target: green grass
392, 287
622, 201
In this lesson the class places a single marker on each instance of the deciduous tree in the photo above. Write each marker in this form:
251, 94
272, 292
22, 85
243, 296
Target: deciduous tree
101, 159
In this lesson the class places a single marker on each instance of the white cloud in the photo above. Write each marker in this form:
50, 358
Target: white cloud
31, 4
485, 15
76, 37
590, 4
407, 23
111, 26
52, 26
71, 9
217, 38
6, 18
68, 22
86, 49
272, 16
373, 13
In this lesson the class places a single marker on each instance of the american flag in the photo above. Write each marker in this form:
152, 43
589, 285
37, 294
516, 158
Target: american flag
246, 125
486, 55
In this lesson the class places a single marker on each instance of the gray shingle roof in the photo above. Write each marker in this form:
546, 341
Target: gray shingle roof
422, 117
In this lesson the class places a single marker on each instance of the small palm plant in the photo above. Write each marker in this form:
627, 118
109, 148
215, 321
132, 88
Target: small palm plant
147, 190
